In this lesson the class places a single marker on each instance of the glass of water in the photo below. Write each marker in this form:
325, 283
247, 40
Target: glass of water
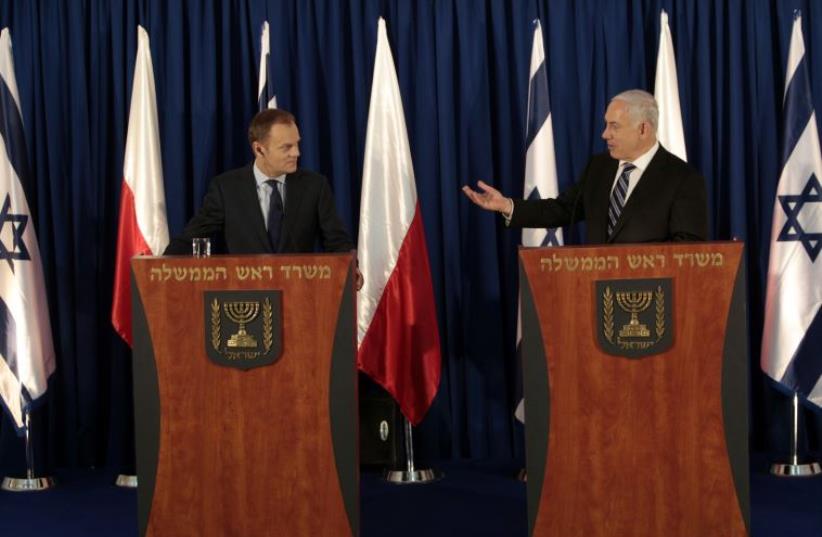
201, 247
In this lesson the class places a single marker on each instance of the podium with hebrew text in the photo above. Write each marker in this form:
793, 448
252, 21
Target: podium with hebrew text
636, 390
245, 396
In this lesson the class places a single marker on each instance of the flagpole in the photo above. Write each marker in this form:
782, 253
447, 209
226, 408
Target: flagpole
541, 180
28, 483
142, 222
794, 289
794, 468
411, 474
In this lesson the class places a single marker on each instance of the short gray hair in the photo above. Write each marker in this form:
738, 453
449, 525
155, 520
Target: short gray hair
641, 106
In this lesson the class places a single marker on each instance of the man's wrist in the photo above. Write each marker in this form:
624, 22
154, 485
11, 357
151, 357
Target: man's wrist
509, 208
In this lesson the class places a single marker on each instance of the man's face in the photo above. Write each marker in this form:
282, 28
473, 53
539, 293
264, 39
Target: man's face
278, 152
625, 140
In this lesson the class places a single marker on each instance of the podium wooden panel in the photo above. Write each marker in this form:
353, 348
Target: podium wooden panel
648, 446
271, 450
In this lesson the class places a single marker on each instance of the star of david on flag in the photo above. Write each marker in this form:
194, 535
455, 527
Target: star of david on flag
26, 346
17, 223
794, 272
793, 229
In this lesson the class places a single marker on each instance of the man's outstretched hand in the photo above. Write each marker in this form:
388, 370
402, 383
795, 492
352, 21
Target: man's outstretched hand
489, 199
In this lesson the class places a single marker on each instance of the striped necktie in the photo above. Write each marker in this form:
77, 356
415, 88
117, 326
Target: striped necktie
618, 197
275, 215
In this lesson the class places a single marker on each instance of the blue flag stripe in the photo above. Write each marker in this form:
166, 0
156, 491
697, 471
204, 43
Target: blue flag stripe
268, 90
11, 129
8, 338
540, 106
803, 372
550, 238
798, 108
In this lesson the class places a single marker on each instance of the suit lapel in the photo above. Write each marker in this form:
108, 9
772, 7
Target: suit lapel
294, 196
249, 198
642, 190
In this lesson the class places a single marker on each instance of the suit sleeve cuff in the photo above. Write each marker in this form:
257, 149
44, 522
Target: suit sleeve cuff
509, 214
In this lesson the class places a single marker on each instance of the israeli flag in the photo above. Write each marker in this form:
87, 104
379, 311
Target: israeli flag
26, 347
266, 98
795, 269
540, 162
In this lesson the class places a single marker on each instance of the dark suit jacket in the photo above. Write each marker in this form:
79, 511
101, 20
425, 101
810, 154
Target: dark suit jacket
231, 215
668, 204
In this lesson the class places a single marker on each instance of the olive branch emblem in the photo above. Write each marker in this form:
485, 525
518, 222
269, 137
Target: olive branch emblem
660, 312
215, 324
268, 332
608, 314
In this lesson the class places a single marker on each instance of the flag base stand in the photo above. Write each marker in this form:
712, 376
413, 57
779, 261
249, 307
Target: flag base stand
796, 470
27, 484
126, 481
522, 475
411, 475
403, 477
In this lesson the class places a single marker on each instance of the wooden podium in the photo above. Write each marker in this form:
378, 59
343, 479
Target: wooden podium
636, 387
245, 395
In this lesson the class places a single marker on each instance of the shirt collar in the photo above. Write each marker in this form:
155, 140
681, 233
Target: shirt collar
644, 159
262, 178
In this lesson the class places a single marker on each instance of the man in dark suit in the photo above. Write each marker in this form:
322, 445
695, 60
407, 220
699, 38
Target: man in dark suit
637, 192
270, 206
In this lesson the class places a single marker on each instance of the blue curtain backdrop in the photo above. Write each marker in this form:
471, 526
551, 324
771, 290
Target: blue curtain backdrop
462, 67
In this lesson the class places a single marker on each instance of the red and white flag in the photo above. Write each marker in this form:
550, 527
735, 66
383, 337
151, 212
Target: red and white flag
397, 335
143, 228
666, 92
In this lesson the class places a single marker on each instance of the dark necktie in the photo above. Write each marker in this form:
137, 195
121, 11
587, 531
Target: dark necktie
275, 215
618, 197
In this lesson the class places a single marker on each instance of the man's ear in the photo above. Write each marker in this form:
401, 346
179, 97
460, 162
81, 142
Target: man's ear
644, 128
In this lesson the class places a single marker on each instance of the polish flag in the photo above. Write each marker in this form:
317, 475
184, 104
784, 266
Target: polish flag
397, 335
666, 92
143, 229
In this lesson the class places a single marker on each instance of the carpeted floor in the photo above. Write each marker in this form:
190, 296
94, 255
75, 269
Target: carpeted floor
473, 499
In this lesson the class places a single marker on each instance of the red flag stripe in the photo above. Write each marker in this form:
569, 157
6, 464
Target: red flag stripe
130, 242
401, 349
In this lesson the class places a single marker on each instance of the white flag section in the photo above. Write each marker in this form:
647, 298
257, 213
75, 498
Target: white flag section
795, 269
266, 98
143, 228
26, 347
397, 334
666, 92
540, 160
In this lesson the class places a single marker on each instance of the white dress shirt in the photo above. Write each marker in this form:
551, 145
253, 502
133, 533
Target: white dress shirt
641, 164
264, 190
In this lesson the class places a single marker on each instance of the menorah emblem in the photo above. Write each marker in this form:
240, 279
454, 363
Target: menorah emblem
650, 298
242, 313
634, 302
